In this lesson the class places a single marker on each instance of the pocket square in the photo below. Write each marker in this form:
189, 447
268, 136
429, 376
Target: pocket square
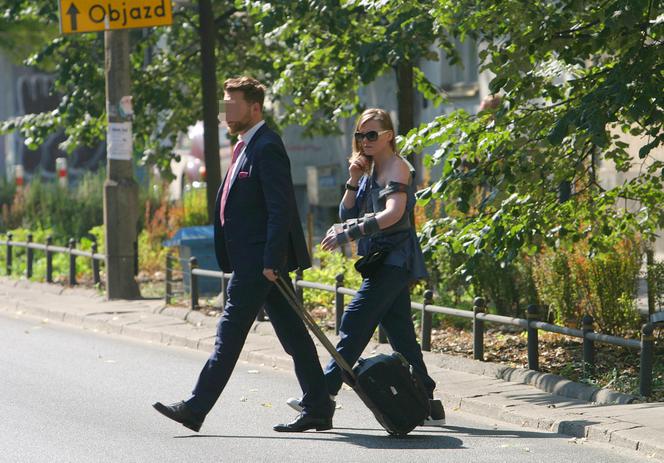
243, 174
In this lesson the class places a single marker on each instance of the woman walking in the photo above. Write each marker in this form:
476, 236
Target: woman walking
376, 208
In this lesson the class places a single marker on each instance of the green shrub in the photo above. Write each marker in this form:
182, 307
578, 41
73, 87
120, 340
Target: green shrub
60, 260
508, 288
609, 291
45, 208
557, 287
151, 253
449, 286
329, 265
68, 212
655, 277
7, 192
195, 207
604, 286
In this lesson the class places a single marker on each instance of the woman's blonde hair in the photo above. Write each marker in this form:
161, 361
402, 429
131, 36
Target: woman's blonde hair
385, 122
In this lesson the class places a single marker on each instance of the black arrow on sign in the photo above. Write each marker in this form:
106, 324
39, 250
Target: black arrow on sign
73, 12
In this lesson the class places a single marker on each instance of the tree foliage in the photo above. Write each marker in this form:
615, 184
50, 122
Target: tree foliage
327, 50
576, 77
314, 54
165, 76
20, 39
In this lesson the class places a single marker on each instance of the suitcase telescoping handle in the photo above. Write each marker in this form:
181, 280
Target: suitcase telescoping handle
289, 293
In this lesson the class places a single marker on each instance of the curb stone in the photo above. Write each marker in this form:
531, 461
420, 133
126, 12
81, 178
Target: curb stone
547, 382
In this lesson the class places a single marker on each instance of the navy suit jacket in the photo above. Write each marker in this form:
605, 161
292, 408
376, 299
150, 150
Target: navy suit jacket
262, 228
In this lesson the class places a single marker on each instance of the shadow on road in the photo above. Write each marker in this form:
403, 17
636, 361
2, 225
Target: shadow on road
501, 433
418, 440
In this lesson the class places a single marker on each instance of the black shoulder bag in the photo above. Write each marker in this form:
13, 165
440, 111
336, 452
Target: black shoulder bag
368, 265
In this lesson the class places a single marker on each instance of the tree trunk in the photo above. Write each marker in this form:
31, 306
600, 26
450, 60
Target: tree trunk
406, 113
210, 104
405, 97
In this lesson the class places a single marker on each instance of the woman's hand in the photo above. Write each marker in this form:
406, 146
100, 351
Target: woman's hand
329, 243
357, 167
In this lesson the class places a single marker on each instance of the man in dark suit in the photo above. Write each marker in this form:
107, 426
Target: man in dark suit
257, 235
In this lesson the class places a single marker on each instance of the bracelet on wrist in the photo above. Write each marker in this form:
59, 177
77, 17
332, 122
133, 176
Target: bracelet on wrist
352, 187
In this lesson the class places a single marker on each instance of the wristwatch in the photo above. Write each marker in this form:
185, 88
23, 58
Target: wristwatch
352, 187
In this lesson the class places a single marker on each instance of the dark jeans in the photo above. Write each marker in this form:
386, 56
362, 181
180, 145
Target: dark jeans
385, 299
246, 295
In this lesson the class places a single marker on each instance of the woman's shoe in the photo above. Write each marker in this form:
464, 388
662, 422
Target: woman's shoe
437, 416
294, 403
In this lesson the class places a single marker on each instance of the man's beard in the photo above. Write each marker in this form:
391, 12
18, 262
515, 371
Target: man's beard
237, 127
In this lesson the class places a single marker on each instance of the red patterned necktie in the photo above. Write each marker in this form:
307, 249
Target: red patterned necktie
229, 178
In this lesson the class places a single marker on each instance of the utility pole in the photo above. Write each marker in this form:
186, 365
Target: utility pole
120, 188
208, 40
114, 17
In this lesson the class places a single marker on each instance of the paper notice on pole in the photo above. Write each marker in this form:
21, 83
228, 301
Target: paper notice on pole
119, 141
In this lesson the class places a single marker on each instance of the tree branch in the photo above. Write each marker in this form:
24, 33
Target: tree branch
574, 32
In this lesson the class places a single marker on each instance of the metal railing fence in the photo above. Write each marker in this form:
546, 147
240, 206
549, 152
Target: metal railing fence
427, 308
532, 324
49, 249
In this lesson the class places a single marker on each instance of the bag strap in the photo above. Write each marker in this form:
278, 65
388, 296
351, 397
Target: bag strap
289, 294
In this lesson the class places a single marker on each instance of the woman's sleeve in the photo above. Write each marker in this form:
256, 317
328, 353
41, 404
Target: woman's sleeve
393, 187
354, 212
345, 214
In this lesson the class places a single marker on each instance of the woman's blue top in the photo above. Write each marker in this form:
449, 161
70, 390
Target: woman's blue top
407, 252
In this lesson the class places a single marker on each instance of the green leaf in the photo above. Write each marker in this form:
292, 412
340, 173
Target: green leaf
558, 132
497, 84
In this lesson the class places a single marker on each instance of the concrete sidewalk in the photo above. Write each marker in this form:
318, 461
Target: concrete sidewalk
515, 396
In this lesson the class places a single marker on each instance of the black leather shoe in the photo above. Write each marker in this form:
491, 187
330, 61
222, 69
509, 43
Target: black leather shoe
304, 423
180, 412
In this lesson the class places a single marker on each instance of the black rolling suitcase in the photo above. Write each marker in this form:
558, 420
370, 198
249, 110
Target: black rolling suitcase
385, 383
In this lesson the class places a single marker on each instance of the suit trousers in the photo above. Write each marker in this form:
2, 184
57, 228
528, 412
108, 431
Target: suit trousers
246, 295
384, 298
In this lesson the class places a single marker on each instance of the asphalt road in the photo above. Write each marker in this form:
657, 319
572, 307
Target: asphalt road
69, 395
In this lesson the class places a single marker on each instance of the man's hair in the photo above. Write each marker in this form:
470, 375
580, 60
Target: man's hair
252, 90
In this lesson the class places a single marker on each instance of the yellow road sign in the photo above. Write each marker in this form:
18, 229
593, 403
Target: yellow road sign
99, 15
